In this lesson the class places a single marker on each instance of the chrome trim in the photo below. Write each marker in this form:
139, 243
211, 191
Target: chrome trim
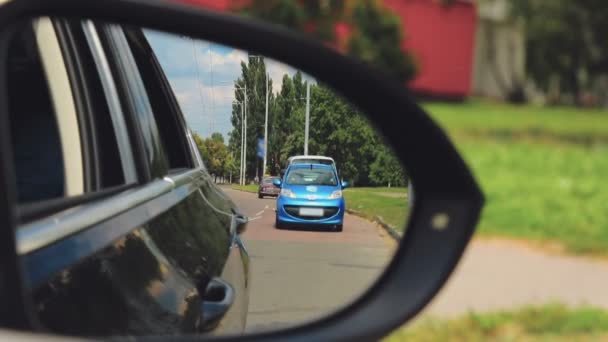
38, 234
112, 98
185, 177
41, 233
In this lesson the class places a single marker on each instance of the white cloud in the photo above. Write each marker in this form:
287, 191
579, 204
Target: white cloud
202, 76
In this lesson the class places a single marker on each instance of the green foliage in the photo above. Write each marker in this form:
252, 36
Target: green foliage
377, 35
253, 79
315, 17
550, 322
542, 170
386, 169
565, 40
218, 160
377, 38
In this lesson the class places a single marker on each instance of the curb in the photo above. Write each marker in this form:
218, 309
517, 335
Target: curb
378, 219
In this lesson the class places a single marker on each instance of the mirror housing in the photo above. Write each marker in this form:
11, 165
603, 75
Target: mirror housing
276, 182
344, 184
444, 184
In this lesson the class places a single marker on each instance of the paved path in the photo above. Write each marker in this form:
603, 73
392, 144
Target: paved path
500, 274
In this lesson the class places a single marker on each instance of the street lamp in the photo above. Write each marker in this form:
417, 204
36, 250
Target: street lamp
242, 139
244, 134
265, 122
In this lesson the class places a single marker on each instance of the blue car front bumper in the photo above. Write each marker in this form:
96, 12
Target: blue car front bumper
288, 211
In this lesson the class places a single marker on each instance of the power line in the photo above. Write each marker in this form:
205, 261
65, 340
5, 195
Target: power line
196, 65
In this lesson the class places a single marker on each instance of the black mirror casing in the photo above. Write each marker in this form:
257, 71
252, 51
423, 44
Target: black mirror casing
444, 186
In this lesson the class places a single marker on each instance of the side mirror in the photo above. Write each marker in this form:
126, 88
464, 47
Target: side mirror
344, 184
276, 182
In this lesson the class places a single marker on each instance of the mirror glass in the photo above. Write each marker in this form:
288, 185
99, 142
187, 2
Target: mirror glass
325, 198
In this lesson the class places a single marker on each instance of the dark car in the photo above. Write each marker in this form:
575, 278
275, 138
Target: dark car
267, 188
121, 229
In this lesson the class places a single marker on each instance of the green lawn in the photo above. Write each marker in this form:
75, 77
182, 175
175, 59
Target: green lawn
552, 322
541, 170
370, 203
248, 188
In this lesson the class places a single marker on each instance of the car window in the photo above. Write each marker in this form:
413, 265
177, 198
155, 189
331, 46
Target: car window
63, 141
169, 119
56, 152
312, 161
35, 135
311, 177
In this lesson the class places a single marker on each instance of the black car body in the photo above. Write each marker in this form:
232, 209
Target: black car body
121, 229
267, 188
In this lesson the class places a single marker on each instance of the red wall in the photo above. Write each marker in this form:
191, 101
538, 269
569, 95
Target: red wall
441, 38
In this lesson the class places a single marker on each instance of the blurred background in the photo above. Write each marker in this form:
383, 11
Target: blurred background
521, 87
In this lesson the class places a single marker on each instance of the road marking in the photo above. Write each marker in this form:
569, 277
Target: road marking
254, 218
266, 207
259, 213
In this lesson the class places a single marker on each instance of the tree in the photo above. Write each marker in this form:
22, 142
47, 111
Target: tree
377, 35
565, 42
377, 38
253, 78
386, 169
217, 158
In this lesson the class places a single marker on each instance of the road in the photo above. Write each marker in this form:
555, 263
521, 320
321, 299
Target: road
300, 275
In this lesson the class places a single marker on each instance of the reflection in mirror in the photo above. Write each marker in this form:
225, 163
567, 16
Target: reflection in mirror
326, 198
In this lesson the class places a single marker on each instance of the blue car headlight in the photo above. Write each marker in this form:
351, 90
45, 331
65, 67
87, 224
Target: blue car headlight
288, 193
335, 195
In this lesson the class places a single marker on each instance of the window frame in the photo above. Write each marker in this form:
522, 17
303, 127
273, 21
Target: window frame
80, 99
152, 71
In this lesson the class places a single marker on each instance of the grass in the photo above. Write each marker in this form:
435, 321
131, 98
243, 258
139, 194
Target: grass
551, 322
249, 188
369, 203
542, 170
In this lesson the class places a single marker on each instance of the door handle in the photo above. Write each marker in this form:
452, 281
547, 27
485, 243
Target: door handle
240, 221
217, 300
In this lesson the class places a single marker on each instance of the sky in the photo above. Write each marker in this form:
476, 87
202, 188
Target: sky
202, 76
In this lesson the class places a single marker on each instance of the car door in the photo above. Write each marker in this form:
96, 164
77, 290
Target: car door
209, 219
105, 222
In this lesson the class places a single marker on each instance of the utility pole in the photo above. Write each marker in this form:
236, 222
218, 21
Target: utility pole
245, 144
242, 143
265, 131
307, 118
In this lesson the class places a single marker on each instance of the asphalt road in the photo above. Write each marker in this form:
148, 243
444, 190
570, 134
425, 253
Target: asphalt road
302, 275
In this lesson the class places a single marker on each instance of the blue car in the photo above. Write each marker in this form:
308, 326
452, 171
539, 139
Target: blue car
311, 195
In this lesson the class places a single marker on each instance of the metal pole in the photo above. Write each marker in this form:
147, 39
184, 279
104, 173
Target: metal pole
307, 118
265, 131
242, 143
245, 151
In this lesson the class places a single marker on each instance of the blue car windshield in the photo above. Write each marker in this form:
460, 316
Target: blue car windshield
311, 177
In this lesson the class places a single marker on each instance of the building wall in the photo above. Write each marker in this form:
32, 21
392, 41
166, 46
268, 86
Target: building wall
442, 39
499, 51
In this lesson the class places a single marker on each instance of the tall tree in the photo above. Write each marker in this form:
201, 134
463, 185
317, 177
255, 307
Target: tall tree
253, 79
566, 41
